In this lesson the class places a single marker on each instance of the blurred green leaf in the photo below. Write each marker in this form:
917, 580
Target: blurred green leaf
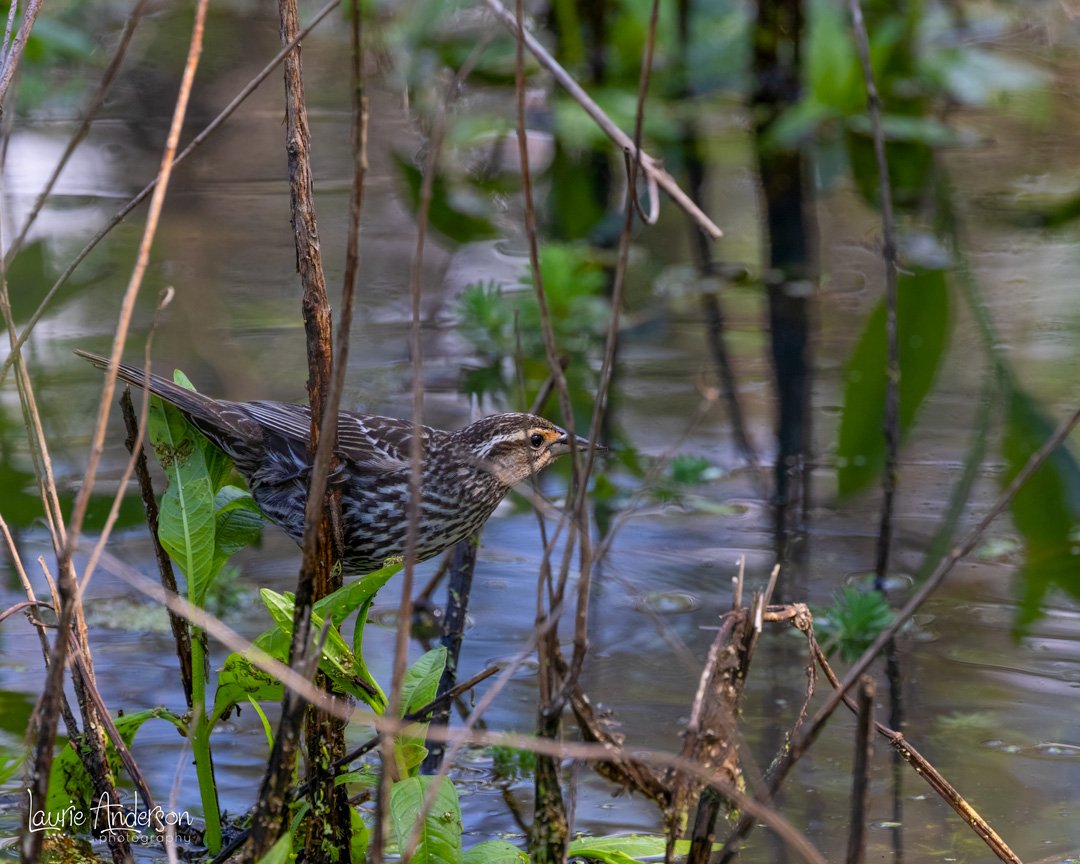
449, 214
1046, 509
495, 852
832, 70
689, 470
281, 852
622, 848
922, 312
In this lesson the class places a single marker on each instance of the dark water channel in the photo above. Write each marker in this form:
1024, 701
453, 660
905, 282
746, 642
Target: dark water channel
998, 717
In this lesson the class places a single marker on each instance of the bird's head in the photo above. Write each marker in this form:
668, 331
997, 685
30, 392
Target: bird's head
514, 446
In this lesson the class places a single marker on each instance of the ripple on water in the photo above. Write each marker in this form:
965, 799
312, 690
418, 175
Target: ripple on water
667, 602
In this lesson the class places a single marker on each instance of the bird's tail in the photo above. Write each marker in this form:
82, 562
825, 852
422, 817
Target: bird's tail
213, 418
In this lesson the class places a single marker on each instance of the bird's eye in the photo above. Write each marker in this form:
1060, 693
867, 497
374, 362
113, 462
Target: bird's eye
536, 440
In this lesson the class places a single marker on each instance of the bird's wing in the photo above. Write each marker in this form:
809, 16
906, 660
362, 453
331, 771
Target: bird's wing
379, 444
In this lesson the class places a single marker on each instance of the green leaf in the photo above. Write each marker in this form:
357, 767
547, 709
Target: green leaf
358, 628
409, 754
338, 662
1046, 509
10, 762
281, 852
832, 68
421, 684
688, 470
453, 214
349, 597
621, 849
186, 518
922, 315
237, 523
854, 621
440, 829
70, 785
267, 728
495, 852
360, 838
241, 680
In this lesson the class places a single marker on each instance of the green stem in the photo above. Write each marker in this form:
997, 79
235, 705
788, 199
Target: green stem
199, 735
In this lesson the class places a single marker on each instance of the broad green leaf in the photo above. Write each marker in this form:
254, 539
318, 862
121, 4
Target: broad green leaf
70, 785
237, 523
1046, 509
186, 518
439, 831
922, 313
281, 852
421, 684
495, 852
218, 465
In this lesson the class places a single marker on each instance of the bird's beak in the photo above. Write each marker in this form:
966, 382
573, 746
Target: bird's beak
561, 444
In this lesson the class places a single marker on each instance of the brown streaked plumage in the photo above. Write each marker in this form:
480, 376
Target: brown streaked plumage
464, 473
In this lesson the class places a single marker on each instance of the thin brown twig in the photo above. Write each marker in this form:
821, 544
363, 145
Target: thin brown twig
142, 260
13, 55
317, 576
136, 443
549, 836
945, 790
9, 27
458, 740
78, 660
860, 787
652, 166
181, 634
607, 367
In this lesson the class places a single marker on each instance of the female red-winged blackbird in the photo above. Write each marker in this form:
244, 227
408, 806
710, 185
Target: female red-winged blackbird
464, 474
